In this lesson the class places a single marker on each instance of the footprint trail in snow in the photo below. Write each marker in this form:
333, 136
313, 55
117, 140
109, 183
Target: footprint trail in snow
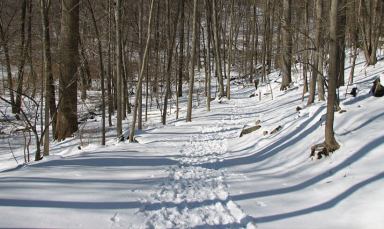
193, 196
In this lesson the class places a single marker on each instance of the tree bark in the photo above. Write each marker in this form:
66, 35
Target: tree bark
69, 56
170, 43
316, 56
192, 62
20, 73
208, 53
141, 76
101, 66
50, 104
4, 45
119, 80
287, 45
230, 50
181, 52
217, 49
334, 59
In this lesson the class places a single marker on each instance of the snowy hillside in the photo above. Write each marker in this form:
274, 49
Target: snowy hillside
202, 174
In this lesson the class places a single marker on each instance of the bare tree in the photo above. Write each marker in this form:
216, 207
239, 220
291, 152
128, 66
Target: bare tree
4, 36
119, 81
217, 48
22, 47
287, 45
370, 18
192, 63
69, 56
170, 43
317, 52
101, 66
181, 48
335, 47
141, 76
50, 104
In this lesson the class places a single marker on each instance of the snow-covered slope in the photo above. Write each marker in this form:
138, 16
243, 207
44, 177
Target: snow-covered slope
202, 174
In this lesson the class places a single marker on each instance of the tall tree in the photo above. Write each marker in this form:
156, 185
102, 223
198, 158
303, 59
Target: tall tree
192, 63
181, 50
101, 66
4, 36
228, 89
317, 51
354, 36
335, 47
287, 45
50, 104
22, 47
217, 48
208, 52
69, 57
370, 18
141, 75
170, 43
119, 80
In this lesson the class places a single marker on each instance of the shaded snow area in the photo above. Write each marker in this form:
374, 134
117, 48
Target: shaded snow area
203, 175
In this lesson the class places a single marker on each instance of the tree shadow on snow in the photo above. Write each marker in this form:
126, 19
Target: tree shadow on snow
323, 206
271, 149
347, 162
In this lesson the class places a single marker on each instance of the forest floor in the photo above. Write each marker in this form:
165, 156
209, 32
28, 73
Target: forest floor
202, 174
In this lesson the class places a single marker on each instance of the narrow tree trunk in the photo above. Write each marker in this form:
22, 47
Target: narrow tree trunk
208, 57
230, 51
50, 105
4, 45
287, 45
141, 76
140, 95
181, 48
170, 44
334, 58
320, 78
20, 73
315, 69
217, 49
109, 76
101, 66
192, 62
119, 81
306, 52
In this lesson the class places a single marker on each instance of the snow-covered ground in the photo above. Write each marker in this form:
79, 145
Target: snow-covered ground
202, 174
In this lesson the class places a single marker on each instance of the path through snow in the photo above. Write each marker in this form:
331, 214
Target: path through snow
193, 196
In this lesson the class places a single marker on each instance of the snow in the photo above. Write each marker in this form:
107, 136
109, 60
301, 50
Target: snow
202, 174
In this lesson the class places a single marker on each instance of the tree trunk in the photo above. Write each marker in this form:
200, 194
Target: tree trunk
67, 110
140, 95
287, 45
181, 52
141, 76
50, 104
316, 56
109, 76
217, 49
20, 73
101, 66
192, 62
119, 81
208, 53
4, 45
334, 59
230, 51
370, 18
170, 43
